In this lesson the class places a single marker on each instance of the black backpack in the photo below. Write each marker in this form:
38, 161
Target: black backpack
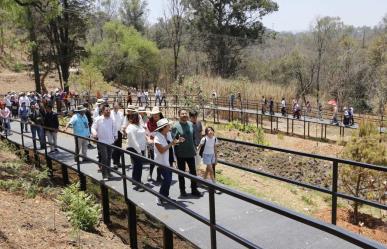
202, 148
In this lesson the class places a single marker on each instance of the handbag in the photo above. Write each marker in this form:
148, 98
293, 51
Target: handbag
202, 148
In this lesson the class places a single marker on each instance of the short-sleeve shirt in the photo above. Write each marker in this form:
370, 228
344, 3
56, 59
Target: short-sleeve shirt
209, 148
186, 130
80, 125
162, 158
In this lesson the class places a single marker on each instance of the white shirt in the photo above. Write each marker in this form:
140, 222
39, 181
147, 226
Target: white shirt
136, 137
105, 129
158, 92
118, 118
24, 99
209, 148
162, 158
96, 113
283, 103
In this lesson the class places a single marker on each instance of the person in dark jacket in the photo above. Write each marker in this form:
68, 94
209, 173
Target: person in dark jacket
51, 123
36, 118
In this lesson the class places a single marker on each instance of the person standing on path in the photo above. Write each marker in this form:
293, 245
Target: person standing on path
104, 130
163, 148
151, 126
135, 133
185, 152
283, 107
158, 96
51, 121
271, 106
5, 115
263, 105
36, 120
207, 147
118, 118
24, 112
80, 126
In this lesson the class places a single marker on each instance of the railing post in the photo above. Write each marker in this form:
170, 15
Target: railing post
65, 175
36, 157
167, 238
124, 183
211, 193
105, 204
132, 224
334, 192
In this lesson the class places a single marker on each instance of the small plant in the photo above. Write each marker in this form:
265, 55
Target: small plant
280, 136
307, 200
80, 207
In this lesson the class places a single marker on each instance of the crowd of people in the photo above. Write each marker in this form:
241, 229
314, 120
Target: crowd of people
143, 133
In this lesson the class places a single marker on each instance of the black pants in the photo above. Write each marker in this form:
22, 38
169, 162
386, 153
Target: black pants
192, 170
116, 153
151, 155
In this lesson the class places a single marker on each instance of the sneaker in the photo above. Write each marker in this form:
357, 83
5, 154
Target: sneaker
159, 202
196, 193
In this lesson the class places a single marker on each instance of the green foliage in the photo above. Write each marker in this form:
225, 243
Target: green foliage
223, 39
258, 132
362, 182
133, 13
124, 56
89, 79
80, 207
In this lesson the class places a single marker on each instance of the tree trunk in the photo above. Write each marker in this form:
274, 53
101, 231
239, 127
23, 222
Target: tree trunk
35, 53
356, 204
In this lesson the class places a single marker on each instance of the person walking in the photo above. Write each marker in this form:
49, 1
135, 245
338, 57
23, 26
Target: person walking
51, 121
158, 96
89, 117
263, 105
5, 115
207, 149
36, 120
80, 125
118, 118
24, 112
151, 126
271, 106
283, 107
185, 152
135, 133
104, 130
164, 154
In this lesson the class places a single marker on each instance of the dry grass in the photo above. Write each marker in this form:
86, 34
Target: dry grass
248, 89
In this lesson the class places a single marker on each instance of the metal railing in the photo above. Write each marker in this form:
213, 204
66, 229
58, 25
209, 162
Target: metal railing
211, 222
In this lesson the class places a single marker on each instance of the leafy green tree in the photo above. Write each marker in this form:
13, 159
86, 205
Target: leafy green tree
89, 80
124, 56
359, 181
226, 27
133, 13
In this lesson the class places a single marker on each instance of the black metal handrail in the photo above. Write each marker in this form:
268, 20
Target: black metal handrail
214, 227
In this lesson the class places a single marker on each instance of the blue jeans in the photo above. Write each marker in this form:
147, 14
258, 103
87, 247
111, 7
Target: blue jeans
137, 165
166, 183
40, 132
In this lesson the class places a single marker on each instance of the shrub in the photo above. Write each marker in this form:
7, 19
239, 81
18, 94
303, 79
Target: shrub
80, 207
358, 181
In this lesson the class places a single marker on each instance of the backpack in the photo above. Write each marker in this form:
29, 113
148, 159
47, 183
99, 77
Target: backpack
202, 148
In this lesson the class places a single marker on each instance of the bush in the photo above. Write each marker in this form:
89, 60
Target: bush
17, 67
358, 181
80, 207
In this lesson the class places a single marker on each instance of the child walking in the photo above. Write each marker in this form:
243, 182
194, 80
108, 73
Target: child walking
207, 150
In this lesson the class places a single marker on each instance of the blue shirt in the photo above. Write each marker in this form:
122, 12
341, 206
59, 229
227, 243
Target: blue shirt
80, 125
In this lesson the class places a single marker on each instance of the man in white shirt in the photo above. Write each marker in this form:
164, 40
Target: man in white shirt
118, 118
25, 99
105, 131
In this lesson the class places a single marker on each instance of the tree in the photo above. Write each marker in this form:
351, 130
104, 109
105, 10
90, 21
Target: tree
324, 32
228, 26
124, 56
174, 28
359, 181
133, 13
89, 80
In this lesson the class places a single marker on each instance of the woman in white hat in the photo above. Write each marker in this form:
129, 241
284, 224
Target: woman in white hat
151, 126
163, 154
